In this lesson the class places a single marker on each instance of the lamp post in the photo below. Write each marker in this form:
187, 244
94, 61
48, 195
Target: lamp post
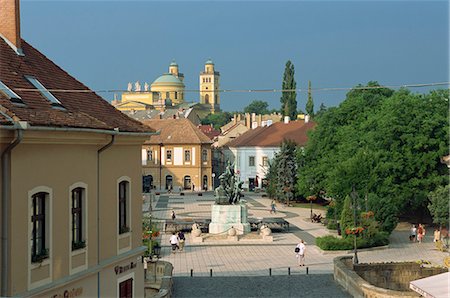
354, 195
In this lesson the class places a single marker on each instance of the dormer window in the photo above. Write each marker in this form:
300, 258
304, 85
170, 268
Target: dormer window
11, 95
50, 97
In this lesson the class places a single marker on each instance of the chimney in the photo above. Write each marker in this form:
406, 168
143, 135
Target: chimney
286, 119
239, 118
10, 24
307, 118
234, 119
253, 117
248, 122
260, 120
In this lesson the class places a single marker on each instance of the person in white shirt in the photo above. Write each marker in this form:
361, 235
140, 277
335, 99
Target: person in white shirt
174, 242
300, 253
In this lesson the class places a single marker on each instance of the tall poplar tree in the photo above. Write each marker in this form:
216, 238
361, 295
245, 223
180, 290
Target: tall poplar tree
288, 98
310, 103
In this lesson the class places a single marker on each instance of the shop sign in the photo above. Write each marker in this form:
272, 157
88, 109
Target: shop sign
69, 293
122, 269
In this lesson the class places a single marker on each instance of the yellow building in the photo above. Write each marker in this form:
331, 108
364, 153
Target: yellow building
71, 202
209, 87
168, 91
178, 158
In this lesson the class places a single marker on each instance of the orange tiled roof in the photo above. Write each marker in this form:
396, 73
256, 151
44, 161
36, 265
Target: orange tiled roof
209, 131
81, 109
176, 131
273, 135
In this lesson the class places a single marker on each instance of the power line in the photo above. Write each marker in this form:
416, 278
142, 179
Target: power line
420, 85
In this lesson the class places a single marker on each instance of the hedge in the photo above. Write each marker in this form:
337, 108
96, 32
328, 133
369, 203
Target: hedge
334, 243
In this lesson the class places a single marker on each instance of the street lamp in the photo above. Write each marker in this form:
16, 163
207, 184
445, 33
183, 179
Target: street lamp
354, 195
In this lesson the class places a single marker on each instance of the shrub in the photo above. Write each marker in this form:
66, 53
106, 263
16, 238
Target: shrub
334, 243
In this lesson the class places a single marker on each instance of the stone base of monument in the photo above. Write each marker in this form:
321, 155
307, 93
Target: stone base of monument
225, 217
196, 239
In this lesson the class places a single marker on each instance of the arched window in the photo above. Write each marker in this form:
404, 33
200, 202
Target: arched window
169, 182
204, 155
207, 98
147, 183
40, 225
78, 218
123, 207
187, 182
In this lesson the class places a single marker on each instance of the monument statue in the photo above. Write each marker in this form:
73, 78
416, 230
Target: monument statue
137, 86
229, 212
146, 86
130, 87
230, 189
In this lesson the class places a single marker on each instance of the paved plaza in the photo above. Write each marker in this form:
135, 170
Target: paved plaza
256, 258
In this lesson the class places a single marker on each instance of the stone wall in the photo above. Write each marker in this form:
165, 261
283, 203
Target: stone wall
159, 276
394, 276
357, 286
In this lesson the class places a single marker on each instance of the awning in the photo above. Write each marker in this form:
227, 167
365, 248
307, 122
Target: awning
435, 286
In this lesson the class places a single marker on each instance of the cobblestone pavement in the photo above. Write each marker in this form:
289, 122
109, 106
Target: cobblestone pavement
247, 258
263, 286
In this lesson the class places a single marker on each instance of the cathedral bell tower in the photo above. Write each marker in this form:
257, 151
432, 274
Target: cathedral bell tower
209, 87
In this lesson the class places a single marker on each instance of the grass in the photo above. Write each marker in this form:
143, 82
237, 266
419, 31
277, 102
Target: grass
308, 206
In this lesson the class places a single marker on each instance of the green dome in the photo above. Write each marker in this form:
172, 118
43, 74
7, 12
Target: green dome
209, 61
168, 78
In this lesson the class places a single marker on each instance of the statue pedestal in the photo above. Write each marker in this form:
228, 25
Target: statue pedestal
223, 217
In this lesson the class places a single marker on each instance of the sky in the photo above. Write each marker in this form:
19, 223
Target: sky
106, 44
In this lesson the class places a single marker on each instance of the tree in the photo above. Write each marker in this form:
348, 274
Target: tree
388, 144
272, 177
286, 171
257, 107
217, 119
310, 104
346, 216
439, 205
288, 97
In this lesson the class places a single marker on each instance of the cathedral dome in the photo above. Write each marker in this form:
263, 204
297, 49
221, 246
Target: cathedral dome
168, 79
209, 61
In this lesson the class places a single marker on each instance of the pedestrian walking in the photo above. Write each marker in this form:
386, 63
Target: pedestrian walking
300, 253
437, 235
173, 215
193, 186
182, 239
273, 207
412, 235
174, 242
420, 233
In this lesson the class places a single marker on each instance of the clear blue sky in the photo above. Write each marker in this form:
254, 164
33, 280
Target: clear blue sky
106, 44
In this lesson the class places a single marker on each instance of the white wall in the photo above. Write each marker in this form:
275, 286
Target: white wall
241, 164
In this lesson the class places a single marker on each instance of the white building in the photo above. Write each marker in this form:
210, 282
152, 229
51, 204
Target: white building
253, 150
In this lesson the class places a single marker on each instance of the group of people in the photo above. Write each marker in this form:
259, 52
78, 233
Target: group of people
417, 233
177, 241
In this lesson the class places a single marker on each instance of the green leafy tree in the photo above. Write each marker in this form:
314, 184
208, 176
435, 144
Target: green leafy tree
310, 104
286, 171
388, 144
217, 119
288, 98
257, 107
272, 177
439, 205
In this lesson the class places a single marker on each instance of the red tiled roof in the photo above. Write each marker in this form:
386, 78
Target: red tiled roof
176, 131
274, 135
81, 109
209, 131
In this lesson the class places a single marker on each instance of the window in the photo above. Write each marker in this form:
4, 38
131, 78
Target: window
169, 155
206, 98
187, 155
126, 289
9, 93
176, 95
265, 161
204, 155
39, 250
123, 204
251, 161
149, 155
50, 97
78, 240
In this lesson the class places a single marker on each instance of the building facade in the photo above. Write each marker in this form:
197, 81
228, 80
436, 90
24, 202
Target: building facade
168, 91
179, 158
252, 151
70, 181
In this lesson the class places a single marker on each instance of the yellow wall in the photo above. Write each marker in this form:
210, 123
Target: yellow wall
163, 88
57, 160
